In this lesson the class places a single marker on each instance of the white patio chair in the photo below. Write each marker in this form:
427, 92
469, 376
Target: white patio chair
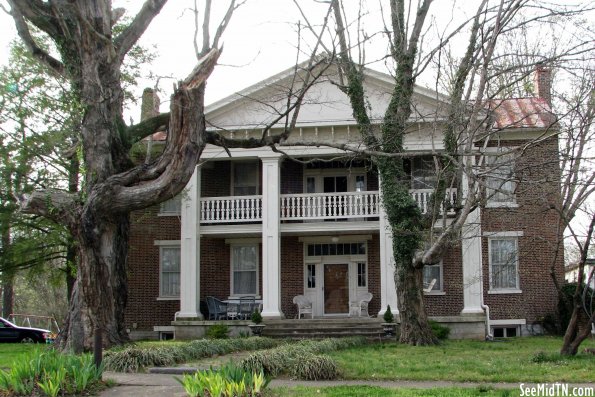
360, 305
304, 306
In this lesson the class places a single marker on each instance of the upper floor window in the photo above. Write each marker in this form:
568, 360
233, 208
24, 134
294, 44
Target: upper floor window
245, 178
169, 276
500, 180
423, 173
504, 262
244, 269
172, 206
433, 272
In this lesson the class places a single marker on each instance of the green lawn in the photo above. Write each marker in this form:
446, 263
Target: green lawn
10, 351
373, 391
471, 361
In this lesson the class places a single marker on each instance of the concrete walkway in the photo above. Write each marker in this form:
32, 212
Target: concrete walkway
158, 385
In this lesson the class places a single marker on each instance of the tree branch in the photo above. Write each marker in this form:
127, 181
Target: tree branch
56, 205
147, 127
132, 33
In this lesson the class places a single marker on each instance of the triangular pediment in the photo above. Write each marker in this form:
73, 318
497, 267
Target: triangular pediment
325, 104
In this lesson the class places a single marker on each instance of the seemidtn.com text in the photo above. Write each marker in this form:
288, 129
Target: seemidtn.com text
556, 390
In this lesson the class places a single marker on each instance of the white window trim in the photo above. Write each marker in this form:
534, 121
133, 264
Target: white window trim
231, 284
441, 290
497, 235
512, 203
166, 244
504, 236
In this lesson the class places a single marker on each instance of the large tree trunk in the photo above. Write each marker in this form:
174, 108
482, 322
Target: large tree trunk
7, 293
415, 329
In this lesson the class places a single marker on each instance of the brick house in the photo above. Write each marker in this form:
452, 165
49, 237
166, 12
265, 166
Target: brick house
251, 222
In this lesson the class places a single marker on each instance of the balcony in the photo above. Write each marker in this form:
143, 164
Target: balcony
304, 207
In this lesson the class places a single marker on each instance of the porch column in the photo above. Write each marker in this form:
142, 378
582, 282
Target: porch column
388, 289
190, 250
472, 261
271, 247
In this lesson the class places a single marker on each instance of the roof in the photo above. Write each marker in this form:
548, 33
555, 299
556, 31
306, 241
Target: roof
522, 113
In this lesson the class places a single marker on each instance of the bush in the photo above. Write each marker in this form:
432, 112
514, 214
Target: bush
51, 372
388, 315
218, 331
256, 317
135, 358
440, 331
313, 367
297, 360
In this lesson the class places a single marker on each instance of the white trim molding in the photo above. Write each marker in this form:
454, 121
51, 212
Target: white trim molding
512, 321
503, 234
166, 242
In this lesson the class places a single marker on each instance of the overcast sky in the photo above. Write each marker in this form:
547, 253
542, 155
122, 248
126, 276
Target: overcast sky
260, 41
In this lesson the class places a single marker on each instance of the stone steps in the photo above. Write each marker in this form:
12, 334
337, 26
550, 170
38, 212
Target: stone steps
322, 328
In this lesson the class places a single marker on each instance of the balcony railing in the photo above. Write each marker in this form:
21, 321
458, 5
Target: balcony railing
306, 206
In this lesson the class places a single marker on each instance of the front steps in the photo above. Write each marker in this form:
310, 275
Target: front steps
319, 328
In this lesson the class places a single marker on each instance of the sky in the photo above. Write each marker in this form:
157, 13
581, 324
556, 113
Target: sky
260, 42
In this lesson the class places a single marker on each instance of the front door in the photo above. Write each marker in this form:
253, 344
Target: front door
336, 288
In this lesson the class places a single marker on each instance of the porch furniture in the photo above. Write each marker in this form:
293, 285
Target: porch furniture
217, 308
304, 306
428, 288
359, 306
247, 307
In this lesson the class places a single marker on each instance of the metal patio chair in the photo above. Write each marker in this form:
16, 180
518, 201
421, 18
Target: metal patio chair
247, 305
217, 308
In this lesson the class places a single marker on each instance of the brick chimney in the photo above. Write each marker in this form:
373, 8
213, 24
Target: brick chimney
149, 104
543, 83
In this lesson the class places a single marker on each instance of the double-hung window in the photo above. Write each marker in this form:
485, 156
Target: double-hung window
169, 259
432, 272
504, 263
172, 206
500, 179
244, 269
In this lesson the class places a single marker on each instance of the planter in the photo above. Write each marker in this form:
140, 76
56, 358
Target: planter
256, 329
389, 328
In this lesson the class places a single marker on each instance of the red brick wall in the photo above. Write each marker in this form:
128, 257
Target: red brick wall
451, 303
374, 274
143, 269
538, 172
292, 273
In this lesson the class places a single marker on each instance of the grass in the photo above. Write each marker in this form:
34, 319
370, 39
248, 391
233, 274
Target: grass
374, 391
10, 351
468, 361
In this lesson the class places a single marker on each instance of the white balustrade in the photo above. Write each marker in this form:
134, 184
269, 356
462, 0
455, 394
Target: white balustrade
306, 206
347, 205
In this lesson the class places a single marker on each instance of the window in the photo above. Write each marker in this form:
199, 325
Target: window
311, 276
423, 173
244, 270
172, 206
245, 178
505, 332
337, 249
169, 258
362, 278
432, 272
503, 254
500, 177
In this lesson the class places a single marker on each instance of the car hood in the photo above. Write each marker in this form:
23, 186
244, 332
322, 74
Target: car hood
34, 329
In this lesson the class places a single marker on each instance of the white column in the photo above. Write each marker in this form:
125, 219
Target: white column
388, 289
472, 262
271, 247
190, 250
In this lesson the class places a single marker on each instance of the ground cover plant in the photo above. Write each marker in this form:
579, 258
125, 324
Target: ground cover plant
374, 391
534, 359
301, 360
134, 358
48, 372
12, 351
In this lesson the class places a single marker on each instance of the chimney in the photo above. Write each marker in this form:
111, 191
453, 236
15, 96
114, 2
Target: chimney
543, 83
149, 104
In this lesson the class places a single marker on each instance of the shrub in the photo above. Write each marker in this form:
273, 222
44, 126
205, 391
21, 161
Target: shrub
296, 358
256, 317
313, 367
440, 331
388, 315
135, 358
218, 331
51, 373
